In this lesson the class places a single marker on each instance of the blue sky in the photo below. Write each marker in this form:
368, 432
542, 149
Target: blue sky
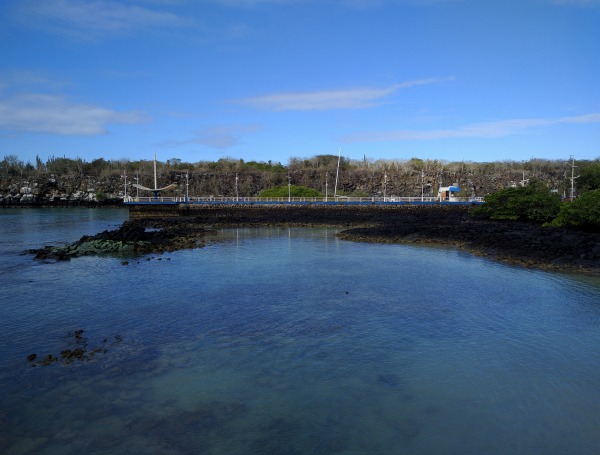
473, 80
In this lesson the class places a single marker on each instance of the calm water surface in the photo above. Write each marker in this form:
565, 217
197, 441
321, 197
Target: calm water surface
290, 341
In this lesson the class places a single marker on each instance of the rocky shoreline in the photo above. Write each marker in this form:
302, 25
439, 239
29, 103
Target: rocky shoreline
514, 243
524, 244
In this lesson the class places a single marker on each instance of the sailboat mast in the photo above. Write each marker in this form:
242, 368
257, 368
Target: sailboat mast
337, 172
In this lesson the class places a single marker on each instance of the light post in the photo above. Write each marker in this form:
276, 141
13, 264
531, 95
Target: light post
289, 188
236, 187
326, 185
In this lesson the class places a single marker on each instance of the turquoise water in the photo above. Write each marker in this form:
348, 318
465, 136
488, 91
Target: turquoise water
290, 341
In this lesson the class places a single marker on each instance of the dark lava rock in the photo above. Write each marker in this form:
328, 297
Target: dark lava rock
526, 244
132, 238
80, 353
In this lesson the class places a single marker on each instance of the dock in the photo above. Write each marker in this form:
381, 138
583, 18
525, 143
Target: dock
302, 210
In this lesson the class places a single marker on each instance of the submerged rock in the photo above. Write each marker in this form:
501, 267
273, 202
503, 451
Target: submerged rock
389, 379
80, 353
409, 428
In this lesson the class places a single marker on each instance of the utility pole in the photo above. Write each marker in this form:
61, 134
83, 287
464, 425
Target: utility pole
289, 188
572, 164
187, 186
155, 181
384, 184
326, 184
236, 187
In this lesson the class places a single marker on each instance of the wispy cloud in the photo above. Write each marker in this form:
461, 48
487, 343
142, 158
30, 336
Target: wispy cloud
576, 2
49, 114
355, 98
347, 3
216, 136
497, 129
94, 17
256, 2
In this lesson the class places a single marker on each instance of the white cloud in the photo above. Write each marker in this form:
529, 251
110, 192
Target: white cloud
95, 17
216, 136
500, 128
355, 98
54, 115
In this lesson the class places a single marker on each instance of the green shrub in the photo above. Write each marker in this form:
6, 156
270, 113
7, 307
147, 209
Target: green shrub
294, 191
583, 213
530, 203
100, 196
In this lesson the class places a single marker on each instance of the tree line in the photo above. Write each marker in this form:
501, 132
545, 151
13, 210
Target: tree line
229, 176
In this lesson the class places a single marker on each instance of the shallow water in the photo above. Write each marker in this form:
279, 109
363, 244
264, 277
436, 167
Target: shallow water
290, 341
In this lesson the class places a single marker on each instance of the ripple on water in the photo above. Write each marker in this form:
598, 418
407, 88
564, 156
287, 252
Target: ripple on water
301, 343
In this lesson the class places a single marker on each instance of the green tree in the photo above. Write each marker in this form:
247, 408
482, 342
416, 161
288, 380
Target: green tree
294, 191
589, 177
583, 213
530, 203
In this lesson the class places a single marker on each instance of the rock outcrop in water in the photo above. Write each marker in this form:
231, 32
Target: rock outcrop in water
135, 237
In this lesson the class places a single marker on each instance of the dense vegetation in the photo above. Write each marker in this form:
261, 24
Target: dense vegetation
583, 213
534, 202
228, 176
291, 191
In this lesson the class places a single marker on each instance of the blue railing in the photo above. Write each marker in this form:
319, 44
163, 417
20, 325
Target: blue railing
300, 200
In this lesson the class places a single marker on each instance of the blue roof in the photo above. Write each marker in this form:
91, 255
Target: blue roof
453, 188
